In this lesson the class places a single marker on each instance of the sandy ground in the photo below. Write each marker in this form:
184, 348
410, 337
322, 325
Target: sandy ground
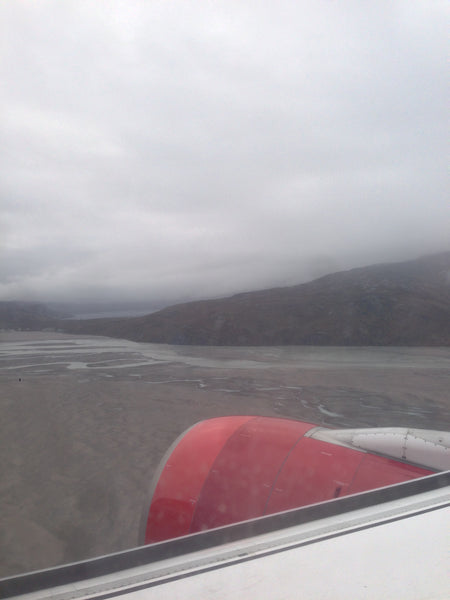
83, 428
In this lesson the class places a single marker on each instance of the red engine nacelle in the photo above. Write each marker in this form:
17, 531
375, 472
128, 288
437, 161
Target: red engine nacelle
230, 469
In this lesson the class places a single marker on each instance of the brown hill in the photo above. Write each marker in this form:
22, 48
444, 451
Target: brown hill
389, 304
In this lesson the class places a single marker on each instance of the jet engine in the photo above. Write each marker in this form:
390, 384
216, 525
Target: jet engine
231, 469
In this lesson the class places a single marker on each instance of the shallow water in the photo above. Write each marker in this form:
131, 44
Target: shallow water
32, 355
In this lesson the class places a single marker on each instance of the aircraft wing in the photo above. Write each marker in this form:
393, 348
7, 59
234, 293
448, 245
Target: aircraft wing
388, 542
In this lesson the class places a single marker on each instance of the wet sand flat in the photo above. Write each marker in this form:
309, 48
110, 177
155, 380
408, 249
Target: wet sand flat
85, 422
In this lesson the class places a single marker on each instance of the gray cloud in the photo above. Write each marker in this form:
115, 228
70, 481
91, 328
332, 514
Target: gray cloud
172, 150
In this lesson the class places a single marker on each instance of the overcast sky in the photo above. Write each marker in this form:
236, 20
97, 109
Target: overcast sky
175, 149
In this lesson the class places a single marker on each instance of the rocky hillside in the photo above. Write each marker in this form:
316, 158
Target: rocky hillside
389, 304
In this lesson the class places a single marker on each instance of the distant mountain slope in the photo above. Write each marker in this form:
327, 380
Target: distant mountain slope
388, 304
27, 315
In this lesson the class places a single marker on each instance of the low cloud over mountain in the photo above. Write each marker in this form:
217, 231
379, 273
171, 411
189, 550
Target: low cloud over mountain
388, 304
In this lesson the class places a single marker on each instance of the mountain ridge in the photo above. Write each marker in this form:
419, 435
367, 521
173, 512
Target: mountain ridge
403, 303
